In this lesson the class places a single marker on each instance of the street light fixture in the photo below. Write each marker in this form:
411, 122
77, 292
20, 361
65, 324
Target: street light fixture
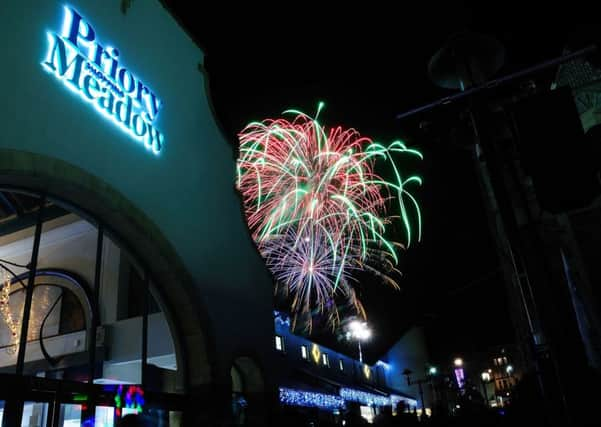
458, 362
485, 376
359, 331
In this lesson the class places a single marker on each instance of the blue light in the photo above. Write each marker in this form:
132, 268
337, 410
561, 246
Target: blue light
383, 364
364, 397
293, 397
94, 73
281, 318
394, 401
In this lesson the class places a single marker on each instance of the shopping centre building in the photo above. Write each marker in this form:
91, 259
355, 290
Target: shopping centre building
129, 278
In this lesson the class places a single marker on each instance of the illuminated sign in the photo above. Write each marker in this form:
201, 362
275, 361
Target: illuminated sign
315, 353
96, 74
128, 400
460, 377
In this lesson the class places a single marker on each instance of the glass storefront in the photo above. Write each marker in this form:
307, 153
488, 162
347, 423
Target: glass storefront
97, 343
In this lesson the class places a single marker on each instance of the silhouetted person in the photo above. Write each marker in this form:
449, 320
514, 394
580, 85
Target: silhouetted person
384, 418
130, 420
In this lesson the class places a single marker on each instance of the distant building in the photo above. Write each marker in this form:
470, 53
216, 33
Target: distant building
504, 374
493, 373
314, 376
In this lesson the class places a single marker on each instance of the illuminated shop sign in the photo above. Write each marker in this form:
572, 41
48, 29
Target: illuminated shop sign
460, 377
95, 73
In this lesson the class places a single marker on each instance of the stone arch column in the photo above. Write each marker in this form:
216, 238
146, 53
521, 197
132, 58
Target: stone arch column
185, 312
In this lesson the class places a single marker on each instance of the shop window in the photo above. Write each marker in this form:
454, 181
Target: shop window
279, 343
71, 262
131, 291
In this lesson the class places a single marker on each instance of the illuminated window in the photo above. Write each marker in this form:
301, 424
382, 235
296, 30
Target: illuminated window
279, 343
341, 364
304, 353
495, 362
325, 360
79, 259
366, 372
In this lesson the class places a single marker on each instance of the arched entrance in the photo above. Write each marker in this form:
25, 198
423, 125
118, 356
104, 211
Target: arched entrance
63, 199
248, 391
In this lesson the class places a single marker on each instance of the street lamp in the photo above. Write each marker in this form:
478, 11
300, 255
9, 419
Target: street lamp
359, 331
407, 373
485, 376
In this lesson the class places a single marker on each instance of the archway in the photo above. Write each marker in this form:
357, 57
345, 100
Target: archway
95, 199
248, 391
100, 206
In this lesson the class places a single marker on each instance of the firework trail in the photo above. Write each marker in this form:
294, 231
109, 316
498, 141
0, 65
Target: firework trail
318, 210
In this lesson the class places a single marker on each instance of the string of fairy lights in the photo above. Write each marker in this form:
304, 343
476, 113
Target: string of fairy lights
6, 312
295, 397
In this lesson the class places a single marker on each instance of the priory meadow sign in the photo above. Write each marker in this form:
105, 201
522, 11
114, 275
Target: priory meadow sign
93, 71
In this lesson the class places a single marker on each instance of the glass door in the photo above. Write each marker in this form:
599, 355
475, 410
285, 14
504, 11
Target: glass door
35, 414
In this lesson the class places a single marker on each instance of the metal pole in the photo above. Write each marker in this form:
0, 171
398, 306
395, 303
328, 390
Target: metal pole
90, 410
96, 309
145, 307
485, 394
497, 82
421, 395
29, 290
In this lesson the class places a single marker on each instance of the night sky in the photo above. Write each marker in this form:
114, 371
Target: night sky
368, 63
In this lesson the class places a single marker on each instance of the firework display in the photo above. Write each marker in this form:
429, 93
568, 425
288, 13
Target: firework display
318, 210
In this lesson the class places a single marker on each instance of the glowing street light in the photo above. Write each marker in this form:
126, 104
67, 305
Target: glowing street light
485, 376
359, 331
458, 362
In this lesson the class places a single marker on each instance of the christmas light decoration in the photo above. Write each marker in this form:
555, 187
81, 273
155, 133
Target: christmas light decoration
294, 397
6, 312
395, 399
364, 397
318, 210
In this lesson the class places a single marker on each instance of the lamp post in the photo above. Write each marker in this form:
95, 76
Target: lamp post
360, 332
407, 373
485, 377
